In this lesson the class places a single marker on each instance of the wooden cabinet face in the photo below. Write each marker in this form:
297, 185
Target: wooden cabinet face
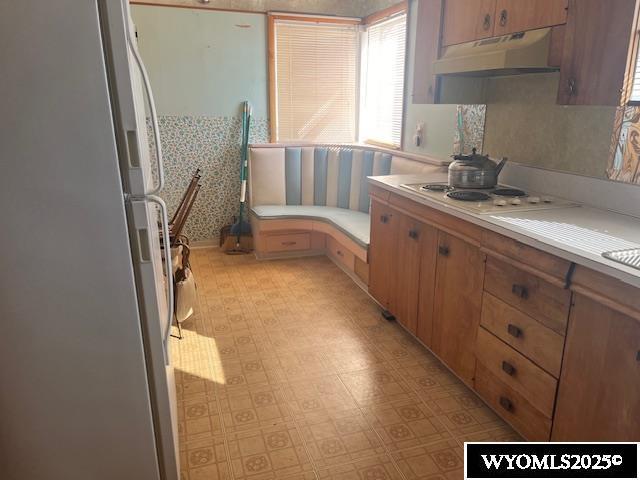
457, 304
599, 391
382, 252
596, 50
465, 21
405, 299
415, 274
428, 28
517, 16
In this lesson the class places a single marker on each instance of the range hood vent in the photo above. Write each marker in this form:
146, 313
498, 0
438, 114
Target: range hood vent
523, 52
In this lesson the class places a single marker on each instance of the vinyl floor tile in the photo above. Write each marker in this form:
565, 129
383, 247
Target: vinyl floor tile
287, 371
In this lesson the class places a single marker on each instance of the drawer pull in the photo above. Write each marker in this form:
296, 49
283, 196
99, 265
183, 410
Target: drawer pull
288, 244
413, 234
506, 404
508, 368
339, 252
638, 356
443, 250
520, 291
486, 24
503, 18
384, 218
514, 331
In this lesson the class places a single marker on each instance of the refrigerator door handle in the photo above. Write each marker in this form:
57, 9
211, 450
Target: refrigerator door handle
167, 264
154, 115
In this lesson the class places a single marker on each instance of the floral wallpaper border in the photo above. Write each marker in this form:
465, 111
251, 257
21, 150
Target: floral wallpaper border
624, 154
213, 145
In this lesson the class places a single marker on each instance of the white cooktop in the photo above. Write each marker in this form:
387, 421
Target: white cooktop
495, 203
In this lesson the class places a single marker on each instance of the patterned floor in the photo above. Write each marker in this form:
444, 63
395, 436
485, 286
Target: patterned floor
288, 371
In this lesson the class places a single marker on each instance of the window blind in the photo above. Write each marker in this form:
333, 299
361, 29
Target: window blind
635, 89
316, 77
383, 81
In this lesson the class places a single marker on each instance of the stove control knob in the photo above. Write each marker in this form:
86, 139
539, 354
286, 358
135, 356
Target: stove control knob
547, 199
499, 202
534, 200
515, 201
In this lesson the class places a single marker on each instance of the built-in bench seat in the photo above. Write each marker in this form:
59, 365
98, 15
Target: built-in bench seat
314, 199
354, 225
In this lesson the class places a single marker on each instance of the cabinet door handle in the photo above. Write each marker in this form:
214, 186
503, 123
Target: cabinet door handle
443, 250
520, 291
384, 218
487, 22
572, 89
514, 331
508, 368
413, 234
504, 16
506, 404
339, 252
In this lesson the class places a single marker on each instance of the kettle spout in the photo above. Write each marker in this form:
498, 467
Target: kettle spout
500, 166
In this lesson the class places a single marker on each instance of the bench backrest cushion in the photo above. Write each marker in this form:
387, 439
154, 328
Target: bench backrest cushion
323, 176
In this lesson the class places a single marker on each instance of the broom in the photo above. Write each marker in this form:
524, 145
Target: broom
241, 226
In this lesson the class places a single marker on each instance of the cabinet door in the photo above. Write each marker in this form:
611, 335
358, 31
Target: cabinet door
599, 392
428, 263
428, 29
517, 16
382, 250
457, 305
466, 21
596, 53
414, 240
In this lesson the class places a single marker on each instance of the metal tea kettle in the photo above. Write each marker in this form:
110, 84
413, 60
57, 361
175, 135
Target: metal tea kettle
474, 171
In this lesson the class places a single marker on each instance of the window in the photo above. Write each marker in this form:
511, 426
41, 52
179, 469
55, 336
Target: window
383, 82
313, 76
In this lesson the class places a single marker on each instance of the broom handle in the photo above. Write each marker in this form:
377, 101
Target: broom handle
246, 122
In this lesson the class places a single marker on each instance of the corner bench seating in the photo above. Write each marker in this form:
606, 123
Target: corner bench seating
314, 199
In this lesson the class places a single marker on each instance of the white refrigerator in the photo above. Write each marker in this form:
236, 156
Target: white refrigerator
87, 390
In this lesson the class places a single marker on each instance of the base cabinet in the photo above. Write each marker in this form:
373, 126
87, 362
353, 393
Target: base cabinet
553, 348
457, 304
599, 391
382, 253
415, 239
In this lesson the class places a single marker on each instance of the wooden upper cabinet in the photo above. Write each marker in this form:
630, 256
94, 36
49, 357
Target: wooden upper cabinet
599, 392
457, 304
426, 51
382, 252
467, 20
597, 55
518, 16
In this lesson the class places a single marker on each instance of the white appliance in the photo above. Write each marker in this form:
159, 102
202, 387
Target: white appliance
501, 199
87, 388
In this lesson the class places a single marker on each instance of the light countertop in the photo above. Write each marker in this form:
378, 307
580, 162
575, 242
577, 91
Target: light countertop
578, 234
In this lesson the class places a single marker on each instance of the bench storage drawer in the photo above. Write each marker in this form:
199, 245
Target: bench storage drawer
288, 242
341, 254
512, 406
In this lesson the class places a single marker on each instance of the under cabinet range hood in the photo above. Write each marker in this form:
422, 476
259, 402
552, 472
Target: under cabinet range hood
523, 52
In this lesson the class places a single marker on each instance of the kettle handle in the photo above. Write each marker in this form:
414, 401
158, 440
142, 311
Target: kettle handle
500, 166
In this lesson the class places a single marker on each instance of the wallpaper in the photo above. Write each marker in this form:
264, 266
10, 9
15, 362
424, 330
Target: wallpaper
469, 132
213, 145
624, 156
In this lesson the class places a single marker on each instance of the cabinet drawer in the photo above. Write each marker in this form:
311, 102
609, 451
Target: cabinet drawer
528, 336
288, 242
547, 303
512, 406
517, 371
341, 254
